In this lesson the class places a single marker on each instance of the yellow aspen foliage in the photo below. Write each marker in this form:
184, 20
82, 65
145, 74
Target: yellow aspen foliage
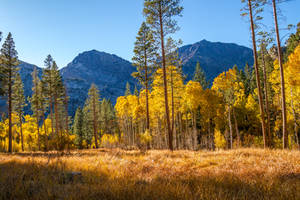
122, 106
192, 95
219, 140
157, 99
229, 87
294, 67
109, 140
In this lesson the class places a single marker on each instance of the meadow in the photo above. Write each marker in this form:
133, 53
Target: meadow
156, 174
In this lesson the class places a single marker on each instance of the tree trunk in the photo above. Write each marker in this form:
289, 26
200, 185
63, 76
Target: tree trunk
295, 120
10, 110
284, 125
147, 100
236, 128
37, 111
257, 74
56, 116
266, 98
51, 116
230, 126
66, 117
172, 100
45, 130
170, 134
95, 122
21, 131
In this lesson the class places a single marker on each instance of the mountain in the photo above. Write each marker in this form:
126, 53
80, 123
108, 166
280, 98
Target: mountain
214, 57
109, 72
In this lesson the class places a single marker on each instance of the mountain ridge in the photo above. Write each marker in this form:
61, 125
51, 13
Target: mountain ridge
111, 72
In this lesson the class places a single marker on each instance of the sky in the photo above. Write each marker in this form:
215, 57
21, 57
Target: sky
65, 28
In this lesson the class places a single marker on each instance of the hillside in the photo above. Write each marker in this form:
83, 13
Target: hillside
214, 57
110, 72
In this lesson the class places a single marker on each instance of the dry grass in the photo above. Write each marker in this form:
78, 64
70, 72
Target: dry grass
117, 174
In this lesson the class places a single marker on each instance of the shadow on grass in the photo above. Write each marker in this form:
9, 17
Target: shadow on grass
34, 180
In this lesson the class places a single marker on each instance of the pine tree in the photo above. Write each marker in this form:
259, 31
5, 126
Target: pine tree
35, 101
8, 63
292, 42
47, 82
107, 116
264, 41
159, 14
172, 59
92, 110
19, 103
280, 60
199, 76
136, 92
44, 104
127, 91
256, 6
78, 127
144, 60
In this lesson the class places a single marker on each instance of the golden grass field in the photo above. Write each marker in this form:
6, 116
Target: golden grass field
157, 174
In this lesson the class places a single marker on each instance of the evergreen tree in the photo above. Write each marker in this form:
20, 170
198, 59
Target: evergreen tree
136, 92
19, 103
44, 104
144, 60
47, 82
127, 91
246, 78
35, 101
199, 76
174, 63
254, 8
280, 60
292, 42
8, 68
107, 116
159, 14
58, 95
92, 110
78, 127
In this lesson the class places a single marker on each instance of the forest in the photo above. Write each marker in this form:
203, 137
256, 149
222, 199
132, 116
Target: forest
240, 108
251, 112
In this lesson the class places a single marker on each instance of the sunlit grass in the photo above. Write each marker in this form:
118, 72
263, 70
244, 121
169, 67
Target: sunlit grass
157, 174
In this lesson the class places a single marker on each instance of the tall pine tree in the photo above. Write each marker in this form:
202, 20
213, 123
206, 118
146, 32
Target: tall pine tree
280, 60
78, 127
19, 103
47, 82
92, 110
144, 61
160, 14
254, 7
8, 68
35, 101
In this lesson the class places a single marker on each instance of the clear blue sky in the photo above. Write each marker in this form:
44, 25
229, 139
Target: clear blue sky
65, 28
